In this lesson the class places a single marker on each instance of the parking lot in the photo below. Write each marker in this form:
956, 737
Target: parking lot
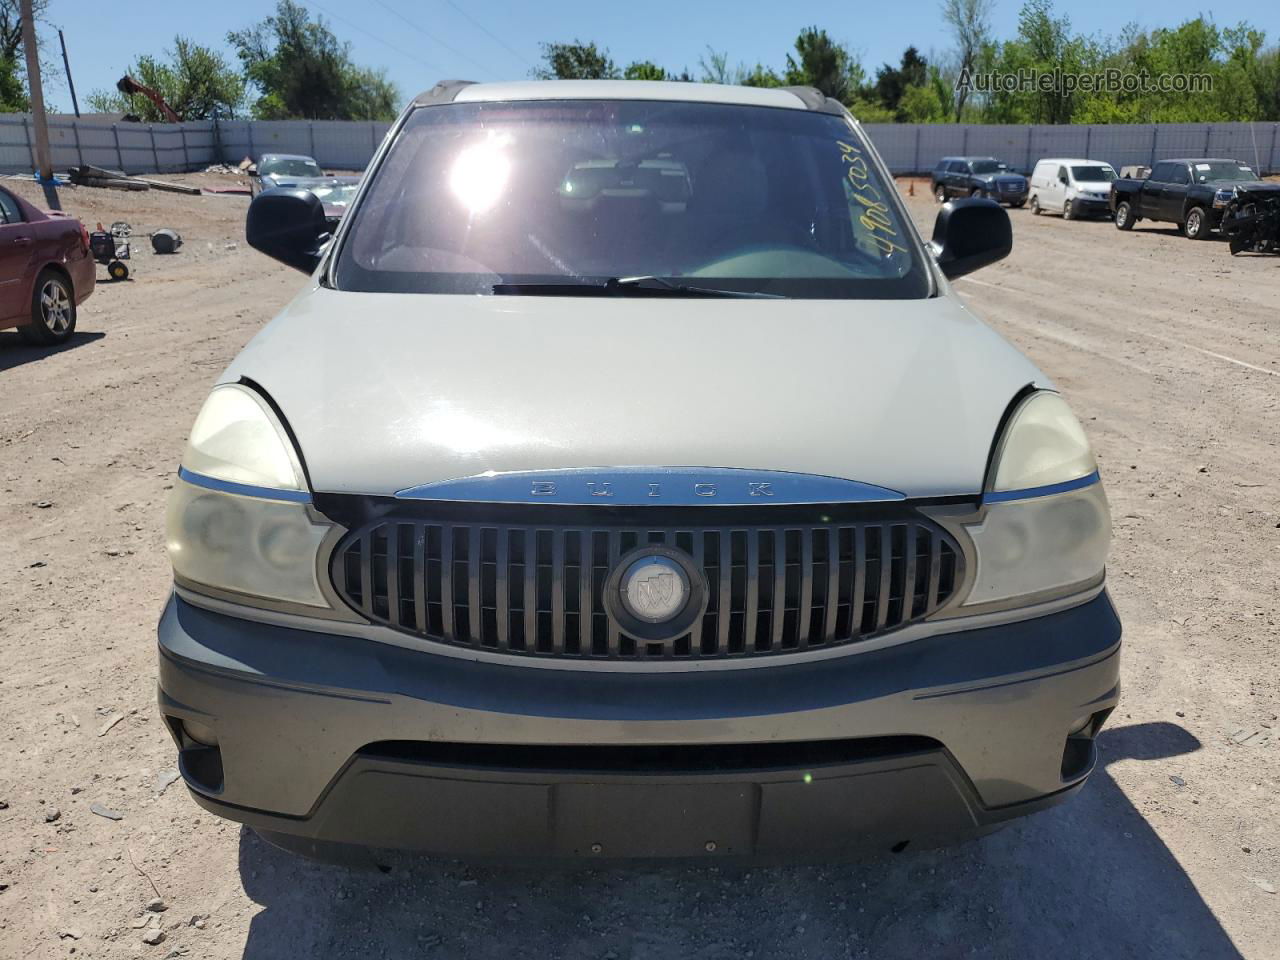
1168, 349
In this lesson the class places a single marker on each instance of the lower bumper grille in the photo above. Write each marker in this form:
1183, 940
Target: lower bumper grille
539, 590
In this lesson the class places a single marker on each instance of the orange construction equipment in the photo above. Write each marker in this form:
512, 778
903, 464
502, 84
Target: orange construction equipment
129, 86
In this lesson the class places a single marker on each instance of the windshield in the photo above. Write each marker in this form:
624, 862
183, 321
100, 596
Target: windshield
335, 194
289, 167
474, 196
1098, 174
987, 166
1221, 170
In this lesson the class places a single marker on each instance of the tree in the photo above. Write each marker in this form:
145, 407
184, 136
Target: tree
822, 63
644, 70
13, 92
195, 81
575, 61
300, 69
893, 82
970, 22
13, 68
715, 67
758, 76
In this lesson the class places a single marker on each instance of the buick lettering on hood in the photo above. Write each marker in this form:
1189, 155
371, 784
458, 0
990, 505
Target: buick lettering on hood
628, 481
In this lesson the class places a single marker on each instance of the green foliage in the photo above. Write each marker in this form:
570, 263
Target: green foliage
644, 70
715, 67
301, 70
576, 61
1233, 75
13, 91
758, 76
893, 84
195, 81
822, 63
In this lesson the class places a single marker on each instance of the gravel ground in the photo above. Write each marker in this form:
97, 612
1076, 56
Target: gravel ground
1168, 350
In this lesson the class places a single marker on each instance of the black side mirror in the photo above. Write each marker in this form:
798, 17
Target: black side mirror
970, 234
289, 226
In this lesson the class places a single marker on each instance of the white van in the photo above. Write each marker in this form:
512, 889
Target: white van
1072, 187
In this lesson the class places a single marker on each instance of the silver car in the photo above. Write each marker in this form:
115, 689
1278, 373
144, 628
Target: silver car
627, 480
283, 170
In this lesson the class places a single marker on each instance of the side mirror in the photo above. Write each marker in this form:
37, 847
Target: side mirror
968, 235
289, 226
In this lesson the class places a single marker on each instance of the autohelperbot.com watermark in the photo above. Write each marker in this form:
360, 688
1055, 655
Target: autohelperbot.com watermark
1064, 82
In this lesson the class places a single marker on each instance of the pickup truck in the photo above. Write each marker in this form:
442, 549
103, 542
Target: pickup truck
1190, 193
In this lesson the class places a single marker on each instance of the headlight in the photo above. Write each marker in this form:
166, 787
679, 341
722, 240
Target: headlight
240, 517
1222, 197
1046, 526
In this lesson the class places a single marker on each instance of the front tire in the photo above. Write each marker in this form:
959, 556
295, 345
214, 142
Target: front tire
53, 311
940, 193
1035, 205
1068, 211
1124, 215
976, 192
1196, 226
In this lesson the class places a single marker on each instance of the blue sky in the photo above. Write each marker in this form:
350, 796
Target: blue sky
421, 41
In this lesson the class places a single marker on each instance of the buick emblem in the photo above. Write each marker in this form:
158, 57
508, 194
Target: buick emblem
654, 589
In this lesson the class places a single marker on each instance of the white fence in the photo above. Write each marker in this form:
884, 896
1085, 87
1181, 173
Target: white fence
140, 148
915, 148
348, 145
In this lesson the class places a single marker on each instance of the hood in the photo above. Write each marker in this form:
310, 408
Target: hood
1263, 186
389, 391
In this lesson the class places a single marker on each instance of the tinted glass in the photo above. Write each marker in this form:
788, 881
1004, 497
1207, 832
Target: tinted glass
1162, 172
9, 208
474, 195
986, 166
1222, 170
289, 167
1093, 174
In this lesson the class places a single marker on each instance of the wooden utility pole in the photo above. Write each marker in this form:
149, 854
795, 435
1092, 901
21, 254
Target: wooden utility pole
43, 163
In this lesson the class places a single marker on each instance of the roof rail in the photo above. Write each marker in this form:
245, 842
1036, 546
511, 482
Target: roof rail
443, 92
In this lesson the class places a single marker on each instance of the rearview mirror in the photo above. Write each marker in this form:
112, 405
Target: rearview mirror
970, 234
288, 225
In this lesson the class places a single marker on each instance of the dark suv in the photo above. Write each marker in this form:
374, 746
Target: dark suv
978, 177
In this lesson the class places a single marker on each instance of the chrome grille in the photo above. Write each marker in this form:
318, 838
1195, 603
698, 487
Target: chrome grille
537, 590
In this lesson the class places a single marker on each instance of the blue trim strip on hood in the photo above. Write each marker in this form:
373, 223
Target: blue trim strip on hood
1045, 491
652, 486
243, 489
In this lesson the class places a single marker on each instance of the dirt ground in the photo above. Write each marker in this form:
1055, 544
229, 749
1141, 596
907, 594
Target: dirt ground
1167, 348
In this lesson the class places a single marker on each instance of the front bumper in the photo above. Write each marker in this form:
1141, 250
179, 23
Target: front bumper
335, 738
1093, 208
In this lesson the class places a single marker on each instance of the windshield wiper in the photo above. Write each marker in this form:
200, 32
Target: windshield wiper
625, 287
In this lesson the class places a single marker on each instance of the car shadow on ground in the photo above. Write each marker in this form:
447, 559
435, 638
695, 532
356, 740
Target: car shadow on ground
14, 351
1089, 878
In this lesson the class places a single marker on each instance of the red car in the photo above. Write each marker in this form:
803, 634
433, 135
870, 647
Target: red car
46, 270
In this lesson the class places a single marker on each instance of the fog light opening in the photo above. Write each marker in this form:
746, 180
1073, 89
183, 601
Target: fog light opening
1079, 751
201, 733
